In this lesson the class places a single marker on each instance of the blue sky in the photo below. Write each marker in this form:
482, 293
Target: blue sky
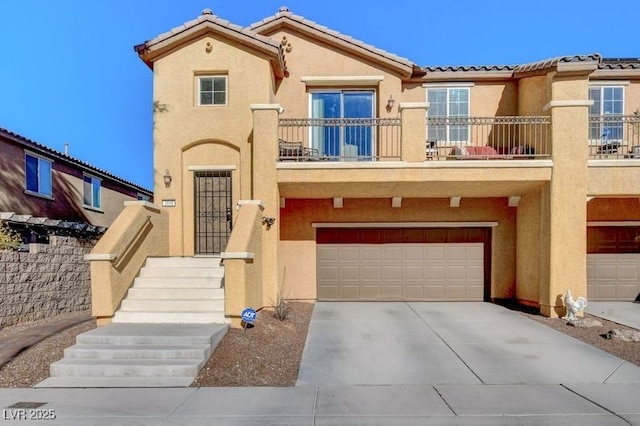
68, 72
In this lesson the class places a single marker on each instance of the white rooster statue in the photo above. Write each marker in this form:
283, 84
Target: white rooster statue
573, 306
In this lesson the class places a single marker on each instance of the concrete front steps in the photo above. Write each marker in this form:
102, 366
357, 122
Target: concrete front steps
136, 355
167, 326
175, 290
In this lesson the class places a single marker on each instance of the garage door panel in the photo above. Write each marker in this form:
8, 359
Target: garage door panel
349, 254
350, 273
392, 273
435, 292
435, 273
370, 292
350, 292
456, 292
371, 254
417, 271
627, 273
413, 254
456, 253
456, 273
392, 291
413, 273
613, 276
392, 253
434, 253
327, 253
413, 292
371, 273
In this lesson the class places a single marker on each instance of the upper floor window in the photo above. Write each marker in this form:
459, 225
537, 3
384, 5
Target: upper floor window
143, 197
448, 103
608, 104
344, 123
92, 192
212, 90
38, 175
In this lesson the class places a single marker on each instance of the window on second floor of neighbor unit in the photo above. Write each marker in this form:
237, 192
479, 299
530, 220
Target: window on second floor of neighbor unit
212, 90
38, 175
448, 103
608, 104
92, 192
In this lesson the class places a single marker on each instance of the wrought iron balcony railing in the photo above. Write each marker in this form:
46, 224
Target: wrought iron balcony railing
524, 137
614, 136
334, 139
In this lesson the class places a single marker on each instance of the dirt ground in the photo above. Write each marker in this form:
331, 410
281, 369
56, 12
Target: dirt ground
267, 354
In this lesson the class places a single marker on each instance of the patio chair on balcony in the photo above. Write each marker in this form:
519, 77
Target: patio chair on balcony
431, 149
295, 151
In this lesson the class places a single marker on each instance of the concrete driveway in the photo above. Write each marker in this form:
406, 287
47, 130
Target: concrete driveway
429, 343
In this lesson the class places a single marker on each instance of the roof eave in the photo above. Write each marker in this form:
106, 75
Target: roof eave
436, 76
267, 27
151, 51
56, 155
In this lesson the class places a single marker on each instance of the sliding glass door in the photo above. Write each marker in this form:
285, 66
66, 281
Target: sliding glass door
346, 128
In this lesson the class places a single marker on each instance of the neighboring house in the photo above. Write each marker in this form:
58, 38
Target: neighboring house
40, 182
323, 168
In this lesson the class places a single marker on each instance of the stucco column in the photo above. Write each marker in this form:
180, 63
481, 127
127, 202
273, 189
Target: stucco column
414, 131
265, 188
566, 220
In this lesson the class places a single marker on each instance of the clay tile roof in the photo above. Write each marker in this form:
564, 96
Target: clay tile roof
466, 68
207, 17
553, 62
620, 64
50, 152
284, 15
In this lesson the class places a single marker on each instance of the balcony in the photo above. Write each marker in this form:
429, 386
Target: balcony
488, 138
614, 137
333, 139
448, 138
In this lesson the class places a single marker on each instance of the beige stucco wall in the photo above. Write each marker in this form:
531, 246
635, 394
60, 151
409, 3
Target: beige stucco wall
532, 95
190, 135
529, 239
310, 58
141, 230
567, 193
491, 99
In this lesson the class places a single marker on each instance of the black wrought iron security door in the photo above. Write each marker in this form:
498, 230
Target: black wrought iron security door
212, 211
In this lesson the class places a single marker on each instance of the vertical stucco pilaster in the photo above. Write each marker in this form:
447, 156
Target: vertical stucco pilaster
265, 188
414, 131
566, 226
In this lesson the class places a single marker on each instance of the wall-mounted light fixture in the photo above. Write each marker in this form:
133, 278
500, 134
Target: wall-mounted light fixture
266, 220
390, 103
167, 178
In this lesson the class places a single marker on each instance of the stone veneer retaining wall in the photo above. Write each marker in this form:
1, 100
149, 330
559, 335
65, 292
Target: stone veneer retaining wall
49, 280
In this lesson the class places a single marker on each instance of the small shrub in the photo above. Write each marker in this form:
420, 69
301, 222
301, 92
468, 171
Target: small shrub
9, 239
281, 309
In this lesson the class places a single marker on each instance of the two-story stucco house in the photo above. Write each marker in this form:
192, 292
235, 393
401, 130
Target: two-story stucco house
319, 167
38, 182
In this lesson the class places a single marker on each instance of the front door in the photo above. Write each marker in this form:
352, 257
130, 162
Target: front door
212, 211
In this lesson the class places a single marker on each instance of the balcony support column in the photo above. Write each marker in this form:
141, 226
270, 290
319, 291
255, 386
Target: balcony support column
414, 131
265, 188
564, 215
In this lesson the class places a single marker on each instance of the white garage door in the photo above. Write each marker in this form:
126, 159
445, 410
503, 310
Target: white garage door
417, 271
614, 276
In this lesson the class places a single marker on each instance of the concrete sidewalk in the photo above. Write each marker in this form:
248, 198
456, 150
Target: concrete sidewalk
11, 346
586, 404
